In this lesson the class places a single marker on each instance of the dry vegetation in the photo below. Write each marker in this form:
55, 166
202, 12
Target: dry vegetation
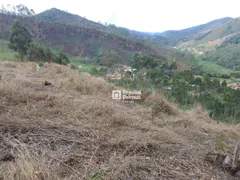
72, 129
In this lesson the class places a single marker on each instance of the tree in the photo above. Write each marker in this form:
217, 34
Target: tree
48, 54
216, 83
139, 62
33, 52
198, 81
62, 58
136, 61
173, 65
207, 82
19, 38
109, 59
36, 52
224, 84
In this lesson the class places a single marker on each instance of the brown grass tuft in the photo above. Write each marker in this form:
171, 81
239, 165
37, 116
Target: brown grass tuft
160, 106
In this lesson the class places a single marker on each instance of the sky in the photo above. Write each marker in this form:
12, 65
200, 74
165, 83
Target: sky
142, 15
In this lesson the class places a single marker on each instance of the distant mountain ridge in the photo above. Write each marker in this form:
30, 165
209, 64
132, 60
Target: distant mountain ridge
225, 30
79, 36
196, 29
178, 36
214, 37
201, 38
55, 15
58, 16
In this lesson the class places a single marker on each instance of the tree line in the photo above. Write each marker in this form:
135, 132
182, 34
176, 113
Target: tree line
21, 42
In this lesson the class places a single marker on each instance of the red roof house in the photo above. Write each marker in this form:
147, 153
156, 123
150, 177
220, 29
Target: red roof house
235, 85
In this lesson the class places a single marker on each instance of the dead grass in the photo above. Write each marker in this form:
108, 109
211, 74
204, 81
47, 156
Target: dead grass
72, 129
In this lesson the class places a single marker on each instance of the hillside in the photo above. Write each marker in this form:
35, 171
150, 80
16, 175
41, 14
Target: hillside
229, 28
220, 33
219, 45
148, 40
78, 41
58, 16
183, 35
87, 39
72, 129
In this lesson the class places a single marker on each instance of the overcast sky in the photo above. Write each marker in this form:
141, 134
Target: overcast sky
142, 15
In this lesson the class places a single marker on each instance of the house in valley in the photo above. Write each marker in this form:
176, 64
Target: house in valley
120, 71
235, 86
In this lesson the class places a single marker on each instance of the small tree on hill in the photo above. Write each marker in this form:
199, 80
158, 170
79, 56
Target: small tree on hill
139, 62
109, 59
19, 38
173, 65
224, 84
62, 58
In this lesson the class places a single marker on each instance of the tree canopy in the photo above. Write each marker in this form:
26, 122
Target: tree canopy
19, 38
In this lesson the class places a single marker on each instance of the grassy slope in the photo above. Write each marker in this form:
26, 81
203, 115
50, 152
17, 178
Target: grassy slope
225, 30
230, 27
74, 130
5, 53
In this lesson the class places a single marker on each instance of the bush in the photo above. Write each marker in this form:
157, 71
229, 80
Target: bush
36, 52
109, 59
94, 70
41, 64
98, 71
61, 58
72, 66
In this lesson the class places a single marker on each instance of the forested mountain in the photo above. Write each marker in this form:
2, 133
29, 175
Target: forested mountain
58, 16
80, 37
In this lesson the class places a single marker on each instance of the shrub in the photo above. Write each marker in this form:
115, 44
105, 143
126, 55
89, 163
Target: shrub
72, 66
41, 64
61, 58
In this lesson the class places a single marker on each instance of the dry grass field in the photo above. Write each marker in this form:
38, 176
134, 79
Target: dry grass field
70, 128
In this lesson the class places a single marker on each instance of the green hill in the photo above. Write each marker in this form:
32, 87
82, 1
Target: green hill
78, 36
58, 16
183, 35
220, 45
222, 33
